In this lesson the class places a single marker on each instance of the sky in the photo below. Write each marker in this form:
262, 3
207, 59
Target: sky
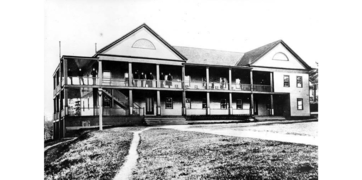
224, 25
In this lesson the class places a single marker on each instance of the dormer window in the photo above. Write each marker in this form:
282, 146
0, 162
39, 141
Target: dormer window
280, 57
143, 44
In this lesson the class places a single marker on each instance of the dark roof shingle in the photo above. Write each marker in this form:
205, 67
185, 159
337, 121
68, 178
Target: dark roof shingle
252, 56
209, 56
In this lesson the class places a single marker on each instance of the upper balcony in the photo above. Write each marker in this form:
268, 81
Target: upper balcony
143, 75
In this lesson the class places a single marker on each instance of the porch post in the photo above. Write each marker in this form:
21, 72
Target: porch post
271, 82
158, 104
184, 91
100, 73
158, 83
130, 75
65, 71
230, 104
100, 112
207, 78
100, 94
184, 103
252, 94
130, 101
271, 105
230, 79
65, 109
208, 103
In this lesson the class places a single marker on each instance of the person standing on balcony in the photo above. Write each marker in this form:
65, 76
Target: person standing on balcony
162, 79
151, 78
169, 80
125, 79
70, 76
80, 75
94, 75
225, 83
136, 77
143, 76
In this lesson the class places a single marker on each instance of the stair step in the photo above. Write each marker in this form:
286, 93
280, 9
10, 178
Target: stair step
151, 121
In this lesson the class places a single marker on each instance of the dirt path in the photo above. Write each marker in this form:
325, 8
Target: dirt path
125, 171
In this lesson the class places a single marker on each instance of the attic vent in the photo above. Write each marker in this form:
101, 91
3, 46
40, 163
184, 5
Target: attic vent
143, 44
280, 56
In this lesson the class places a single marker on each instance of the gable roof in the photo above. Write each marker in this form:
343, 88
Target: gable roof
210, 56
254, 55
135, 30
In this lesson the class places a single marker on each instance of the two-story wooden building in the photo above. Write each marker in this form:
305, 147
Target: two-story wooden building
141, 76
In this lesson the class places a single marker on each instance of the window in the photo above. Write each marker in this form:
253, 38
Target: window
204, 103
188, 103
299, 103
143, 44
88, 102
239, 104
286, 81
83, 106
280, 57
223, 104
169, 103
299, 82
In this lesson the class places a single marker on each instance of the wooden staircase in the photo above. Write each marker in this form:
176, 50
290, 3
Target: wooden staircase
170, 120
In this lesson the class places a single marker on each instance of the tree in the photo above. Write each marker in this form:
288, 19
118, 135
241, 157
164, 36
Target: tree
313, 79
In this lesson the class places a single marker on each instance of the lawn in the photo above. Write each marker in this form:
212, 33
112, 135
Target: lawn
94, 155
288, 127
172, 154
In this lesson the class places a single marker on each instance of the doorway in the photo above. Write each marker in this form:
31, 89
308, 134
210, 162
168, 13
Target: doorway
149, 106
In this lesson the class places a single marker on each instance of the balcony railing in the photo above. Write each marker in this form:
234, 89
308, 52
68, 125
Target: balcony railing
218, 86
85, 80
107, 111
195, 85
262, 88
240, 87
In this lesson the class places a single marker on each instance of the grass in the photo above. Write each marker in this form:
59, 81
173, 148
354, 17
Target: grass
94, 155
172, 154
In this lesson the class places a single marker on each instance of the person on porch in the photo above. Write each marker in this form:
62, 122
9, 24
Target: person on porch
94, 75
162, 80
169, 80
136, 77
70, 76
143, 77
150, 80
80, 75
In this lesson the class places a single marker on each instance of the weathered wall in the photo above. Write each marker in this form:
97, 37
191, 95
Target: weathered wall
294, 91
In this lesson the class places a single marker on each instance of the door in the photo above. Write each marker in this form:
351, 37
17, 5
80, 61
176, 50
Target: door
149, 106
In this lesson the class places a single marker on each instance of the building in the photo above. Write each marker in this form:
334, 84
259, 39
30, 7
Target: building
141, 76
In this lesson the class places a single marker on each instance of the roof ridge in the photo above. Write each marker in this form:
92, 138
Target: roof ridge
209, 49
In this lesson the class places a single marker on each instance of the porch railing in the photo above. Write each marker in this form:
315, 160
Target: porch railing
170, 84
107, 111
240, 87
262, 88
195, 84
218, 86
84, 80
